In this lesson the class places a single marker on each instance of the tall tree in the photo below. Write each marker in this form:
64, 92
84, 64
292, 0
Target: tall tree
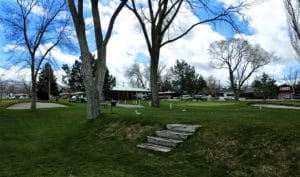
109, 82
25, 86
212, 86
135, 73
297, 88
47, 84
291, 76
265, 87
166, 81
33, 29
201, 84
240, 58
166, 86
73, 77
157, 20
292, 8
185, 77
93, 95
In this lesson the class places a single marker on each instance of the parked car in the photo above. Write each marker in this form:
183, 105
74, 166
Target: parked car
186, 97
200, 97
229, 98
78, 99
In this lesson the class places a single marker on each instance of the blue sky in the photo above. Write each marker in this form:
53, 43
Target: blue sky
266, 27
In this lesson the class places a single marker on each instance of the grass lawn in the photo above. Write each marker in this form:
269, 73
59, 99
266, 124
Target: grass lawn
236, 140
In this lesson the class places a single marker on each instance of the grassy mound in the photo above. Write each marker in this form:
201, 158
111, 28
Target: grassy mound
236, 140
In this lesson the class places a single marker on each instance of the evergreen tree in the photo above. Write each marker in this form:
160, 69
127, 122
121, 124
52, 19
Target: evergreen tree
186, 78
46, 79
109, 82
200, 84
297, 87
74, 78
166, 86
265, 87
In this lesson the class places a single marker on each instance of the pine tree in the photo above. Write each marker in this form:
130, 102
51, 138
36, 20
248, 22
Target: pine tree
46, 79
186, 80
74, 78
265, 87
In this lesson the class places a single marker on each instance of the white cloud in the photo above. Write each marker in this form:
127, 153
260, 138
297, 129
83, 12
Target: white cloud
124, 44
39, 10
128, 40
12, 47
58, 54
23, 74
15, 73
267, 21
63, 57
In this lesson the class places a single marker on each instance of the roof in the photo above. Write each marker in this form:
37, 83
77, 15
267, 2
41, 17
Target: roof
130, 89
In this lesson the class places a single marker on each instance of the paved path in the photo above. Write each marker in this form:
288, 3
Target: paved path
38, 105
276, 106
129, 106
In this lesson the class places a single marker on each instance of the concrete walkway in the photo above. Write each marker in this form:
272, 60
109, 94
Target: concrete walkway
38, 105
129, 106
276, 106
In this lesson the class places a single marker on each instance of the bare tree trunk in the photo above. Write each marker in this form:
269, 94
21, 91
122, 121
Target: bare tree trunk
154, 84
93, 108
236, 94
233, 85
101, 70
92, 104
33, 92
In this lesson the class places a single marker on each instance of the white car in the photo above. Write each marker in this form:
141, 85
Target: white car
186, 97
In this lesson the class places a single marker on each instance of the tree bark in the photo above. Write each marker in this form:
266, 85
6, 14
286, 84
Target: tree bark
236, 95
233, 85
93, 108
154, 84
101, 69
33, 94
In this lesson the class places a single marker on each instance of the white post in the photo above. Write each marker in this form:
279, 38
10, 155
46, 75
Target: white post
170, 105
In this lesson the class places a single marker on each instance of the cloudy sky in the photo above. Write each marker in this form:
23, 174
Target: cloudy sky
266, 26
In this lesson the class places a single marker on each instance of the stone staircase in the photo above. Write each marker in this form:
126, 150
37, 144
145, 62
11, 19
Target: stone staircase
166, 140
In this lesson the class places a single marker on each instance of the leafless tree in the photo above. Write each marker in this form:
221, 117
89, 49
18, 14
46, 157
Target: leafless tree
292, 76
212, 86
292, 8
140, 74
240, 58
25, 86
92, 80
135, 73
33, 29
157, 21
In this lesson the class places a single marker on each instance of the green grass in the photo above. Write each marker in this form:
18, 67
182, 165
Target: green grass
236, 140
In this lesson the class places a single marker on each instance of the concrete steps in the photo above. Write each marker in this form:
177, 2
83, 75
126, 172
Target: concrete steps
154, 147
166, 140
163, 141
173, 134
183, 127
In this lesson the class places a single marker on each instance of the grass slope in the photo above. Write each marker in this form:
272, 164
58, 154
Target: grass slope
236, 140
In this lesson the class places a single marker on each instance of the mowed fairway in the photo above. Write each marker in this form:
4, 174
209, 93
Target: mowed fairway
236, 140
